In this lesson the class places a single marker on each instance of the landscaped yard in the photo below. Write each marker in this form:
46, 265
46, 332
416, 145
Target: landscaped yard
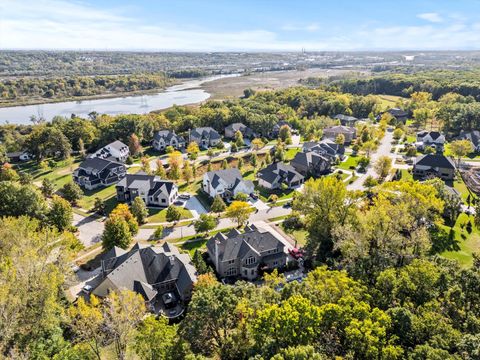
349, 162
59, 175
159, 215
290, 153
107, 194
460, 186
282, 194
467, 243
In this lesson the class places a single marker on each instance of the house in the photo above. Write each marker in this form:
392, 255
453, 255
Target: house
116, 151
232, 129
153, 190
473, 136
165, 138
434, 139
226, 183
332, 132
18, 156
434, 165
279, 174
162, 275
205, 137
276, 128
399, 115
326, 147
311, 163
96, 172
243, 254
346, 120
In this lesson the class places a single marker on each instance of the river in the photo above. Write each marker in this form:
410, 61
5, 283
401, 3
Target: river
186, 93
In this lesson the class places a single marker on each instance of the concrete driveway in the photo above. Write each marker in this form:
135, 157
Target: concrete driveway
195, 207
259, 204
90, 229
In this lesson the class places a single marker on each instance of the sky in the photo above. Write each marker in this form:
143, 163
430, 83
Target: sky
246, 25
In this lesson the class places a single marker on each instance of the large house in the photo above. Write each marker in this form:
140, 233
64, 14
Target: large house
348, 132
279, 174
311, 163
205, 137
346, 120
165, 138
232, 129
226, 183
95, 172
162, 275
18, 156
473, 136
433, 139
243, 254
152, 190
116, 150
399, 115
434, 165
326, 147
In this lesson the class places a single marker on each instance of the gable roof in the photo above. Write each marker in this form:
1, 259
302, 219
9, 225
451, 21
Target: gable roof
118, 145
205, 132
397, 112
340, 129
279, 171
142, 268
149, 183
236, 245
343, 117
435, 160
473, 136
309, 159
98, 164
167, 135
433, 134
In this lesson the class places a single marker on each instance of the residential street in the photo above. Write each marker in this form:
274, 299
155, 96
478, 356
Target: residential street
383, 149
89, 227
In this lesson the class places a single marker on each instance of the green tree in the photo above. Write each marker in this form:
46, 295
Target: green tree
116, 233
239, 139
461, 148
193, 150
48, 188
199, 262
60, 213
340, 139
240, 164
285, 134
397, 133
173, 214
205, 223
71, 192
139, 210
187, 172
18, 200
122, 211
224, 164
218, 204
156, 339
160, 171
158, 233
99, 206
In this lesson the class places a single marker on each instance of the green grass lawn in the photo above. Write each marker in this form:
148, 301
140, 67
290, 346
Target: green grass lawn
388, 101
411, 139
406, 175
59, 175
467, 244
282, 194
460, 186
290, 153
351, 161
159, 215
299, 235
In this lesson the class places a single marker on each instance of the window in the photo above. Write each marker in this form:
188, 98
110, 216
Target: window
250, 260
231, 272
252, 272
163, 200
275, 263
231, 261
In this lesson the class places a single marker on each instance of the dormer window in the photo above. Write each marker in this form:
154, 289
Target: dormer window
250, 260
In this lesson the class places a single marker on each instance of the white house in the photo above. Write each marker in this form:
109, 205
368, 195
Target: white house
116, 150
226, 183
433, 139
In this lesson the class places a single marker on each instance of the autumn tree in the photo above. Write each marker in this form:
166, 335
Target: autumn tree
340, 139
285, 134
382, 166
193, 150
146, 168
239, 211
116, 233
122, 211
134, 145
187, 172
460, 149
175, 161
156, 339
160, 170
123, 311
257, 144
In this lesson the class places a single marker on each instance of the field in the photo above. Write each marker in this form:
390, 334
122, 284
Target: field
233, 87
388, 101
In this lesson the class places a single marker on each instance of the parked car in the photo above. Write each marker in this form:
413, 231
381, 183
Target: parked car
296, 253
254, 196
87, 289
184, 196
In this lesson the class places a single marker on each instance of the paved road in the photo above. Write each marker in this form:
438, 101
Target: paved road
383, 149
183, 231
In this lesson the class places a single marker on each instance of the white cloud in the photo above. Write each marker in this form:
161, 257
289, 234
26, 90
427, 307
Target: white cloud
64, 24
431, 16
309, 27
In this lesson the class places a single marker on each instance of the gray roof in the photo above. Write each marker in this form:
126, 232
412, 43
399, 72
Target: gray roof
347, 118
433, 134
309, 159
149, 183
279, 170
341, 129
143, 268
205, 132
473, 136
167, 135
118, 145
236, 245
435, 160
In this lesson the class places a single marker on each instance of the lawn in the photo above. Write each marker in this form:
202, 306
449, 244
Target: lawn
282, 194
107, 194
159, 215
290, 153
300, 236
348, 163
406, 176
467, 243
460, 186
59, 175
388, 101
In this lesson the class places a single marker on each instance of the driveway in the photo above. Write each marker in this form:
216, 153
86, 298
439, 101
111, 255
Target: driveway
90, 229
259, 204
383, 149
195, 207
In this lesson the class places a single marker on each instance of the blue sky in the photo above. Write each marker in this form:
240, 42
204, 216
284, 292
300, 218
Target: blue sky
247, 25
